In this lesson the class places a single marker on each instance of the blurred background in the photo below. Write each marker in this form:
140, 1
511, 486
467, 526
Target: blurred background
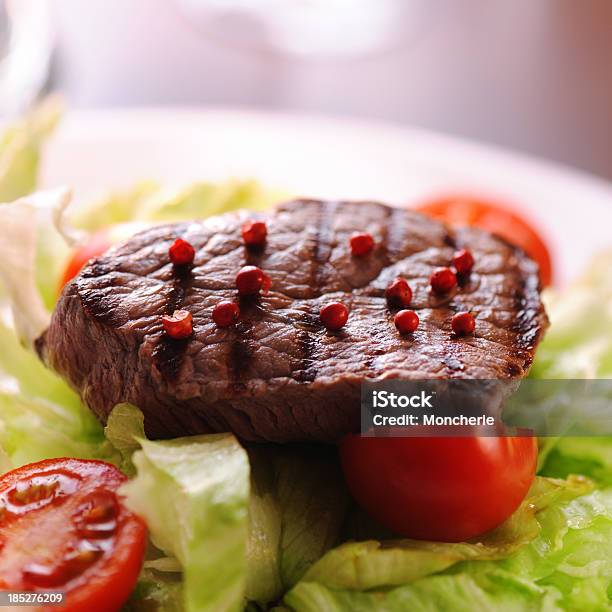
533, 76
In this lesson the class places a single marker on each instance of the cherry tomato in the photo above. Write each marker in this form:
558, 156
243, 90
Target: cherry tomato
444, 489
63, 527
96, 245
466, 210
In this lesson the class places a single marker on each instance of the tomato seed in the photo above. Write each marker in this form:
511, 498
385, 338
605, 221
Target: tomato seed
31, 491
98, 507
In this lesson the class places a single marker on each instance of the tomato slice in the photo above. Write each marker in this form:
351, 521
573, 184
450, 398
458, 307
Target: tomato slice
443, 489
63, 527
461, 210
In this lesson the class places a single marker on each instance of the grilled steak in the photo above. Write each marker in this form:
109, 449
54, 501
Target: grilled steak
278, 374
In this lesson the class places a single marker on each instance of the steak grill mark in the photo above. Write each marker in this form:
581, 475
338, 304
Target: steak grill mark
168, 353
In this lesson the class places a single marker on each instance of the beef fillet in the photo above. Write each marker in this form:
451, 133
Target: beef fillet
278, 374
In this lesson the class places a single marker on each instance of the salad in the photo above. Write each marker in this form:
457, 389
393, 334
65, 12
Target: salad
213, 524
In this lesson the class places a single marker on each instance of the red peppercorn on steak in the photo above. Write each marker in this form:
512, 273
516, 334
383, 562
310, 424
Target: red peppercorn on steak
279, 373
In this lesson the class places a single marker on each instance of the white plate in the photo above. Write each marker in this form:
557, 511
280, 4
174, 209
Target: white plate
312, 156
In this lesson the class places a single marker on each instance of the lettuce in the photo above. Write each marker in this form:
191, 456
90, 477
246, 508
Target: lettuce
193, 493
568, 566
578, 343
18, 259
34, 429
589, 456
280, 532
124, 427
297, 507
499, 591
373, 564
156, 590
40, 416
149, 202
264, 517
20, 149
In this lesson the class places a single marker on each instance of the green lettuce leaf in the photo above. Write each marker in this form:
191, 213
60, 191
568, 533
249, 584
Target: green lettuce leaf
572, 554
40, 416
206, 199
149, 202
20, 149
157, 592
21, 221
374, 564
294, 512
498, 591
578, 343
297, 506
116, 207
124, 427
193, 493
589, 456
34, 429
567, 566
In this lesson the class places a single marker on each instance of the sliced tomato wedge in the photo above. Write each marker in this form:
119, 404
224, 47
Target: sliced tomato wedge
460, 210
63, 527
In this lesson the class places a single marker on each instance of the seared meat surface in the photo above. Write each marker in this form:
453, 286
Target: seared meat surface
278, 374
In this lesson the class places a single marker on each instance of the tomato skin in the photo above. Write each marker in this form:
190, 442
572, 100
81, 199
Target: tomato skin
41, 526
461, 210
121, 576
447, 489
97, 244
